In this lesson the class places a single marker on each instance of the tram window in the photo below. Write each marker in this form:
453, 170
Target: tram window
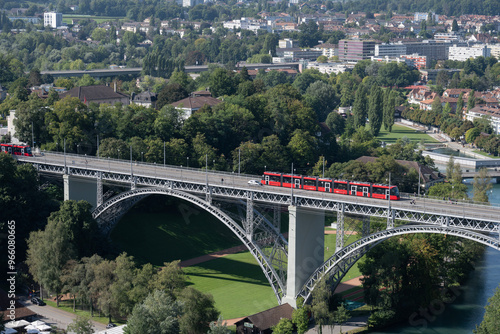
287, 179
308, 182
378, 190
341, 186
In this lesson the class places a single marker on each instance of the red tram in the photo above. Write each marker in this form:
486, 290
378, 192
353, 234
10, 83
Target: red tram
314, 183
16, 149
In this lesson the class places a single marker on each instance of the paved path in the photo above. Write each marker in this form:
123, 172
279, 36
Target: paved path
57, 317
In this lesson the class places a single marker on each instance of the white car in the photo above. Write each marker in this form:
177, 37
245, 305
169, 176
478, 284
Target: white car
254, 183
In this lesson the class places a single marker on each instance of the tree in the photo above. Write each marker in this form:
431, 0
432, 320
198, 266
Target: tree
359, 108
171, 93
170, 278
454, 25
219, 327
472, 134
471, 101
284, 326
321, 96
375, 110
491, 319
157, 314
389, 107
303, 146
481, 185
199, 311
222, 83
81, 325
341, 316
320, 304
336, 123
69, 234
300, 316
449, 167
460, 106
437, 108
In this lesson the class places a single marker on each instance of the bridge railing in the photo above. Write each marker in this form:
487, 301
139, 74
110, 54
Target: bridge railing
126, 162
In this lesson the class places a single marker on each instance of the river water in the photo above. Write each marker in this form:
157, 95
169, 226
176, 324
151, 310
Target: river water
461, 315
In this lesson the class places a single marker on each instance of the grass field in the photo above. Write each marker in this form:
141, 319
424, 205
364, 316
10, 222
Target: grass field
178, 233
490, 156
236, 281
99, 19
399, 131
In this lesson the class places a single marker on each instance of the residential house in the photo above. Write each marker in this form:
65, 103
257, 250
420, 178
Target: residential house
97, 94
491, 112
192, 103
262, 322
146, 99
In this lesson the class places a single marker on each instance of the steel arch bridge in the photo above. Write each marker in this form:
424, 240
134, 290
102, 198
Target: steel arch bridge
261, 237
337, 266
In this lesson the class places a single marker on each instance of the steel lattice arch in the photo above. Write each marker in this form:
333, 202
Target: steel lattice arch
261, 237
335, 268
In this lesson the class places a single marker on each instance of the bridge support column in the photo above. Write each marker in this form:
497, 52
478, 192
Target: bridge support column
277, 217
306, 244
366, 225
390, 218
249, 217
340, 228
99, 189
80, 189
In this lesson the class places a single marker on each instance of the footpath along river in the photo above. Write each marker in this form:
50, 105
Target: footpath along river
462, 314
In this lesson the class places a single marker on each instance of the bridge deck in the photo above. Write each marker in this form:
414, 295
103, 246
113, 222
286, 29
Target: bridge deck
232, 185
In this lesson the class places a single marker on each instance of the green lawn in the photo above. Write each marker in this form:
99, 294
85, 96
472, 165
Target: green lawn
99, 19
490, 156
236, 281
399, 131
180, 232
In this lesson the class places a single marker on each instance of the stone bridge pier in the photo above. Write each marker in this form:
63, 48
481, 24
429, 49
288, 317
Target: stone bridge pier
306, 244
79, 188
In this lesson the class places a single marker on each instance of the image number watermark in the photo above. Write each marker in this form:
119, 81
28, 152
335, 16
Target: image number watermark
11, 269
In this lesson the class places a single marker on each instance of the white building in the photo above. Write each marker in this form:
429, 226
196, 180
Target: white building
390, 50
425, 16
191, 3
462, 53
329, 68
491, 112
11, 128
52, 19
494, 50
286, 43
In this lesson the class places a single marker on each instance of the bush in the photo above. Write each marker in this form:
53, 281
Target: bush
381, 318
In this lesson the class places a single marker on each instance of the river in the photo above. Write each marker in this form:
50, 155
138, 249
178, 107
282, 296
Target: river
461, 315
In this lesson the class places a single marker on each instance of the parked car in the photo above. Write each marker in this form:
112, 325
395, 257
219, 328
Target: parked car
37, 301
110, 325
254, 183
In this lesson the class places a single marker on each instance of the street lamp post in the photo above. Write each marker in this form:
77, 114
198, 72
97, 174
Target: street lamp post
323, 166
142, 156
187, 158
239, 161
131, 168
164, 156
97, 145
419, 181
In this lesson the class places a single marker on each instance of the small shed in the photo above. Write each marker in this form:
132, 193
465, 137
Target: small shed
261, 323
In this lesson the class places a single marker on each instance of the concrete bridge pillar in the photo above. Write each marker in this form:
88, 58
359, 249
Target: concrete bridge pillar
306, 244
80, 189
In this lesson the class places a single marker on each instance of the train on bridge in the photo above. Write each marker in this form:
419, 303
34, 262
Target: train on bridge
344, 187
15, 149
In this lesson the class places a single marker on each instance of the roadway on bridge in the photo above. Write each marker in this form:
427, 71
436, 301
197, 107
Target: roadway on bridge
233, 180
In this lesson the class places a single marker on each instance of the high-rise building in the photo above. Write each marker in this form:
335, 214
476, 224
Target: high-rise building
462, 53
390, 50
354, 50
52, 19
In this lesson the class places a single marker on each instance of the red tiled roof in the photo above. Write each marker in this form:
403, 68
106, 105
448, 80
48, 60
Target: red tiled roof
196, 102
